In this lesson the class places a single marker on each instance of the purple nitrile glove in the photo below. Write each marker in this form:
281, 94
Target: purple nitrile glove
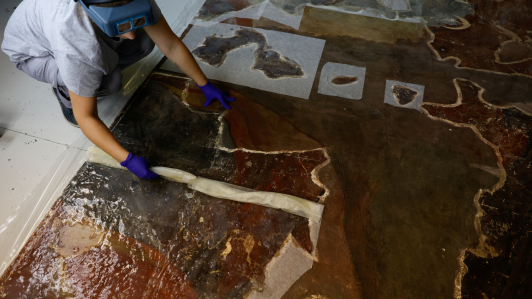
212, 93
139, 167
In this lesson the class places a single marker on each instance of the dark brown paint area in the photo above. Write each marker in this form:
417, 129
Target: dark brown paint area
403, 95
502, 268
342, 80
216, 248
214, 52
498, 38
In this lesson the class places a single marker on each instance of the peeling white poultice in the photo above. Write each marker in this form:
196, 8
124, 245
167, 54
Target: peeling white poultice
390, 98
237, 67
287, 203
352, 90
283, 271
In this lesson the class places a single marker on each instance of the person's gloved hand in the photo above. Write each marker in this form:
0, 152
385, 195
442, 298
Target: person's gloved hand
139, 167
212, 93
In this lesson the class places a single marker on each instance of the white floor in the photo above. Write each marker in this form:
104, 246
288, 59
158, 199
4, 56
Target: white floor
33, 132
32, 129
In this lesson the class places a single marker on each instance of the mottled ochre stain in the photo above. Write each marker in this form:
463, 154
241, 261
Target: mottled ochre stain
227, 249
249, 243
321, 22
75, 238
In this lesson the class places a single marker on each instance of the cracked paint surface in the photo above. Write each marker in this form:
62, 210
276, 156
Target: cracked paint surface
417, 205
399, 52
496, 37
498, 266
208, 247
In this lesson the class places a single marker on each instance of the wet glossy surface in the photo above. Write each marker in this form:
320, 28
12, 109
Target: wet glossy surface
401, 218
272, 64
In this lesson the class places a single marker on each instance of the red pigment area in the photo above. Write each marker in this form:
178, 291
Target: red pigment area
289, 173
510, 136
476, 46
506, 220
121, 269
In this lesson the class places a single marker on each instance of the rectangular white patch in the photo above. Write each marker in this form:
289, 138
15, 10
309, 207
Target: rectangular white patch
237, 67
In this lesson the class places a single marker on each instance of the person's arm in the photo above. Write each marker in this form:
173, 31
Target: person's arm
176, 51
173, 48
86, 114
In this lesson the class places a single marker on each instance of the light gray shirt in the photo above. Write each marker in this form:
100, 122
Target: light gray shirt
62, 29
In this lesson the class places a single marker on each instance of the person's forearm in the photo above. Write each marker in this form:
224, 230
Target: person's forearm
101, 136
183, 59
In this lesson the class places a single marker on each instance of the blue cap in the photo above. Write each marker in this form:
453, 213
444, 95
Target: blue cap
118, 20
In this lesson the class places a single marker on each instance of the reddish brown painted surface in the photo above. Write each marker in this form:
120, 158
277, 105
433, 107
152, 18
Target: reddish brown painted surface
207, 246
342, 80
504, 271
495, 25
123, 268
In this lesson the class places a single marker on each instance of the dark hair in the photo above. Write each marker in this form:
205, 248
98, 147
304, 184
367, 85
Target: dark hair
114, 4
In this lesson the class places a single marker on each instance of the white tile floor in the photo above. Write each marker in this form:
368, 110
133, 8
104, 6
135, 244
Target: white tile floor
33, 133
32, 129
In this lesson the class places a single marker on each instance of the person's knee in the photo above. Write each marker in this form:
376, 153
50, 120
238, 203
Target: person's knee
43, 69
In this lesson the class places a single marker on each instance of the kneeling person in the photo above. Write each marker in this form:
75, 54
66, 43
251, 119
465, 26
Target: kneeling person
81, 47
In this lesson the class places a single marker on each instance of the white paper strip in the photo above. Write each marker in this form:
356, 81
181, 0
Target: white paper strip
288, 203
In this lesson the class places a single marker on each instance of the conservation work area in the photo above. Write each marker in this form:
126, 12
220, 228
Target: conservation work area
375, 149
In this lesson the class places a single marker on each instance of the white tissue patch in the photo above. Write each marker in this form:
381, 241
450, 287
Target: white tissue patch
342, 80
294, 20
280, 16
404, 95
253, 12
396, 5
237, 66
